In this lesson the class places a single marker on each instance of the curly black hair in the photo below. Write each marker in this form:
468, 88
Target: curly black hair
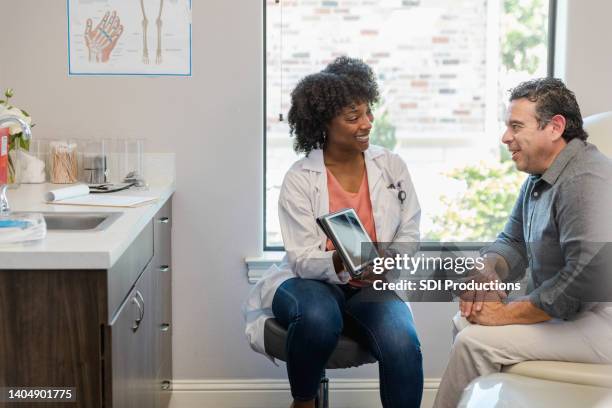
320, 97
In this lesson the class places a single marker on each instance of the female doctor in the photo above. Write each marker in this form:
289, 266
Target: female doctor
311, 294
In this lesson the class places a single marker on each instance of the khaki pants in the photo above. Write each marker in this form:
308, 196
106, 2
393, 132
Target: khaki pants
481, 350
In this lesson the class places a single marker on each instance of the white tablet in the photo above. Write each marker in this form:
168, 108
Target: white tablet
345, 230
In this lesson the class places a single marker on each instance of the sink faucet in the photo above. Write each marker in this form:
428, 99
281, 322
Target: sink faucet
27, 135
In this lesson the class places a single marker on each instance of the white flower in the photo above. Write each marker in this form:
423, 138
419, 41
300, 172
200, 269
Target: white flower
14, 128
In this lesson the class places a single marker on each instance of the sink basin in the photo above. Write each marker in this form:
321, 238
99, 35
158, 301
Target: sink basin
79, 221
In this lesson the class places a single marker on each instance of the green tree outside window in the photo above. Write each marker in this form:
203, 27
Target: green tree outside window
491, 189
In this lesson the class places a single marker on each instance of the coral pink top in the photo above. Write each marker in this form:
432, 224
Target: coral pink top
359, 201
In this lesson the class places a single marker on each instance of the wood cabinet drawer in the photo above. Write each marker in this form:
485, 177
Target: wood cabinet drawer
123, 274
132, 372
162, 336
162, 224
164, 376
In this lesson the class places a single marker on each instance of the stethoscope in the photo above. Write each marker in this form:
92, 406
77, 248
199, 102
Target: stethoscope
401, 194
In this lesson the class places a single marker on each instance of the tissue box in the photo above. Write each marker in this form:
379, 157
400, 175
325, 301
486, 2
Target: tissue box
4, 143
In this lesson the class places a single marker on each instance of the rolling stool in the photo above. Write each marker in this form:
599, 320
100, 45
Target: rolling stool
348, 353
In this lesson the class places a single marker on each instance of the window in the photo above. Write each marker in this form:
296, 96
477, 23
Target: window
443, 67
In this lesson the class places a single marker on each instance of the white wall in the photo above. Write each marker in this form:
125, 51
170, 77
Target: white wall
213, 122
584, 50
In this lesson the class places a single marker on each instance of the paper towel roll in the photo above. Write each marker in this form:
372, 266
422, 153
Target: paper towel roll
67, 192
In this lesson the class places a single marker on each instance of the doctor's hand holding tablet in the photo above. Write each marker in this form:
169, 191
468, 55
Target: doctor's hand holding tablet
355, 251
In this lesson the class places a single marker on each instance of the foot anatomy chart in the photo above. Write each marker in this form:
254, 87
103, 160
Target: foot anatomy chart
129, 37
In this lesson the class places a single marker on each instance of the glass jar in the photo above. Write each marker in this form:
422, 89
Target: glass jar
33, 162
63, 162
96, 155
130, 163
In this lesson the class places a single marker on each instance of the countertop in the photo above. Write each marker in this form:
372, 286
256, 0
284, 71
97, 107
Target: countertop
79, 249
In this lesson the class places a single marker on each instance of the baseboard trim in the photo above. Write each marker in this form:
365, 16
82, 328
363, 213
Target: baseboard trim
272, 393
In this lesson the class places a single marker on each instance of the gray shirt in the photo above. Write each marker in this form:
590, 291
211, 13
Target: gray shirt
559, 228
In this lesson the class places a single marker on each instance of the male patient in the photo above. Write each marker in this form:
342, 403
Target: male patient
558, 228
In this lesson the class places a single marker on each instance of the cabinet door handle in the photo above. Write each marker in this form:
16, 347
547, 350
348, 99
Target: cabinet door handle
137, 321
164, 268
165, 385
142, 311
164, 220
164, 327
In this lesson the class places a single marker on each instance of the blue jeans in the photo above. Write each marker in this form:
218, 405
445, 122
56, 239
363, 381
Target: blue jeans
315, 313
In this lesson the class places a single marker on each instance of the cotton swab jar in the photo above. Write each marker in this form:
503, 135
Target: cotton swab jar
63, 162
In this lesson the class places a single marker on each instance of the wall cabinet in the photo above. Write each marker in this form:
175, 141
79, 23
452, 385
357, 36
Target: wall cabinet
107, 333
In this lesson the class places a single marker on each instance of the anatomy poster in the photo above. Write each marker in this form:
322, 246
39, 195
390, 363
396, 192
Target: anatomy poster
129, 37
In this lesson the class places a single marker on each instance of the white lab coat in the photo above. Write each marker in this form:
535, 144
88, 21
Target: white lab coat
303, 198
